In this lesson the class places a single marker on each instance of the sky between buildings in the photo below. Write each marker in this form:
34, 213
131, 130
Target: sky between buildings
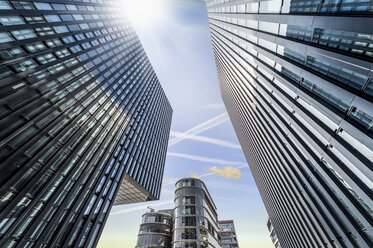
176, 38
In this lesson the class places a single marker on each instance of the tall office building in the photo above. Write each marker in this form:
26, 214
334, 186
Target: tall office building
272, 234
156, 229
83, 118
228, 234
195, 216
296, 79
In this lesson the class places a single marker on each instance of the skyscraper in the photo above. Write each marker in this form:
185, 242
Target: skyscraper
195, 216
296, 79
228, 234
82, 116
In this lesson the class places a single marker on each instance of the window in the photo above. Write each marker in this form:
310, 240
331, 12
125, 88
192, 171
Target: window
188, 210
24, 34
4, 37
188, 221
4, 5
52, 18
57, 6
189, 200
11, 20
189, 233
43, 6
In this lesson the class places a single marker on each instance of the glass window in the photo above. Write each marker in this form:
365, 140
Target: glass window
4, 5
4, 37
43, 6
24, 34
61, 29
52, 18
57, 6
11, 20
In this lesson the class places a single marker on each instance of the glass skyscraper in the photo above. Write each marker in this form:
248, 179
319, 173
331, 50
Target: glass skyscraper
296, 78
84, 121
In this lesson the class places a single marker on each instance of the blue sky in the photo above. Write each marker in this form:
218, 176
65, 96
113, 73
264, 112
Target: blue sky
175, 36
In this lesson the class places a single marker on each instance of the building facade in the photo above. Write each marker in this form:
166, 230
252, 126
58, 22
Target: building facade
84, 121
228, 234
272, 234
155, 230
195, 216
296, 79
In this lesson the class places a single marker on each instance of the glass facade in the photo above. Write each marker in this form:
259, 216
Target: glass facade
195, 216
82, 116
296, 79
155, 230
228, 234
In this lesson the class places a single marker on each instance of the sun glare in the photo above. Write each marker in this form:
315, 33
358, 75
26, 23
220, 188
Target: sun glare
144, 13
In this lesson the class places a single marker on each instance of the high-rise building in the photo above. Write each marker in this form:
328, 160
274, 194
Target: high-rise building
195, 216
156, 229
272, 234
296, 79
228, 234
83, 117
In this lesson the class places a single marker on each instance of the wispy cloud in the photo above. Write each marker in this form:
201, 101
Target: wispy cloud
205, 139
213, 122
142, 207
228, 172
204, 159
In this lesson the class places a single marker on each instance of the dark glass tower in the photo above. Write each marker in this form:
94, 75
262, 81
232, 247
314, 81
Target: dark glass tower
82, 117
296, 78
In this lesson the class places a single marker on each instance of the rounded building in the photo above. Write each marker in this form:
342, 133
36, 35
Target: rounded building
195, 219
155, 231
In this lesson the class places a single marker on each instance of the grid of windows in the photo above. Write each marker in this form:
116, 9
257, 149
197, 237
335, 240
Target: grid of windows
297, 84
80, 108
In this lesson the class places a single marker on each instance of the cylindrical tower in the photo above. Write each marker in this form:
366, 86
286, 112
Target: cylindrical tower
195, 220
155, 230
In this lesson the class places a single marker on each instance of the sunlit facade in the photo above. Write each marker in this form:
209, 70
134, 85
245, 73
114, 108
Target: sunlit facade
155, 230
84, 121
296, 79
195, 216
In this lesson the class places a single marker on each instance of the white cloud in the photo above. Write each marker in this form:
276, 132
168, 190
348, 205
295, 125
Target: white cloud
213, 122
205, 139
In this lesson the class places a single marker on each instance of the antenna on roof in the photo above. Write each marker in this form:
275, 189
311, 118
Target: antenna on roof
150, 208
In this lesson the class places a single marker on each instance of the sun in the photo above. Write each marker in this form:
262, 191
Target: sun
144, 13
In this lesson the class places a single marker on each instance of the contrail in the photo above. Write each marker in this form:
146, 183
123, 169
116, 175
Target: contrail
206, 139
213, 122
204, 159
